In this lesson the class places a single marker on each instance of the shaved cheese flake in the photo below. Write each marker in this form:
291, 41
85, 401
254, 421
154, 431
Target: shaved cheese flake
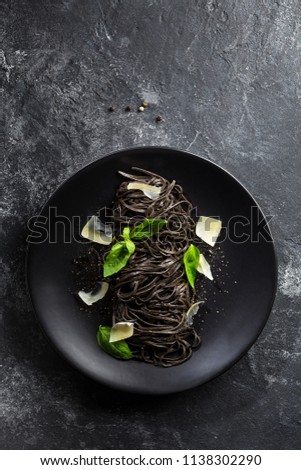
153, 192
121, 330
204, 267
208, 229
192, 311
89, 298
97, 232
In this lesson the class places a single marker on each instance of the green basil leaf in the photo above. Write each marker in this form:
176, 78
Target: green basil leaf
130, 246
126, 233
191, 261
118, 257
119, 349
147, 229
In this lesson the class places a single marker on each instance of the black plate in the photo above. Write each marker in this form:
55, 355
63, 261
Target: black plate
233, 317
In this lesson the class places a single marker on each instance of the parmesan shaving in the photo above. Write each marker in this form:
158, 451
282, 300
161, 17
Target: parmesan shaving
121, 330
152, 192
97, 232
204, 267
208, 229
89, 298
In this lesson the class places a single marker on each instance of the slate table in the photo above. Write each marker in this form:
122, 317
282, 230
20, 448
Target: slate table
225, 76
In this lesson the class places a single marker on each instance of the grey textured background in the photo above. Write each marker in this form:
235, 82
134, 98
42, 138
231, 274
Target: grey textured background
226, 77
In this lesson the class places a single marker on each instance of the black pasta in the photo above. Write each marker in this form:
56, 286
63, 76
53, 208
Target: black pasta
152, 289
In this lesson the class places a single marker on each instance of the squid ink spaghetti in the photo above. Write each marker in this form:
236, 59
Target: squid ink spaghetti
149, 262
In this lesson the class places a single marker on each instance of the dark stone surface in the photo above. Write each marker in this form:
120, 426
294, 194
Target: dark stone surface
225, 75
